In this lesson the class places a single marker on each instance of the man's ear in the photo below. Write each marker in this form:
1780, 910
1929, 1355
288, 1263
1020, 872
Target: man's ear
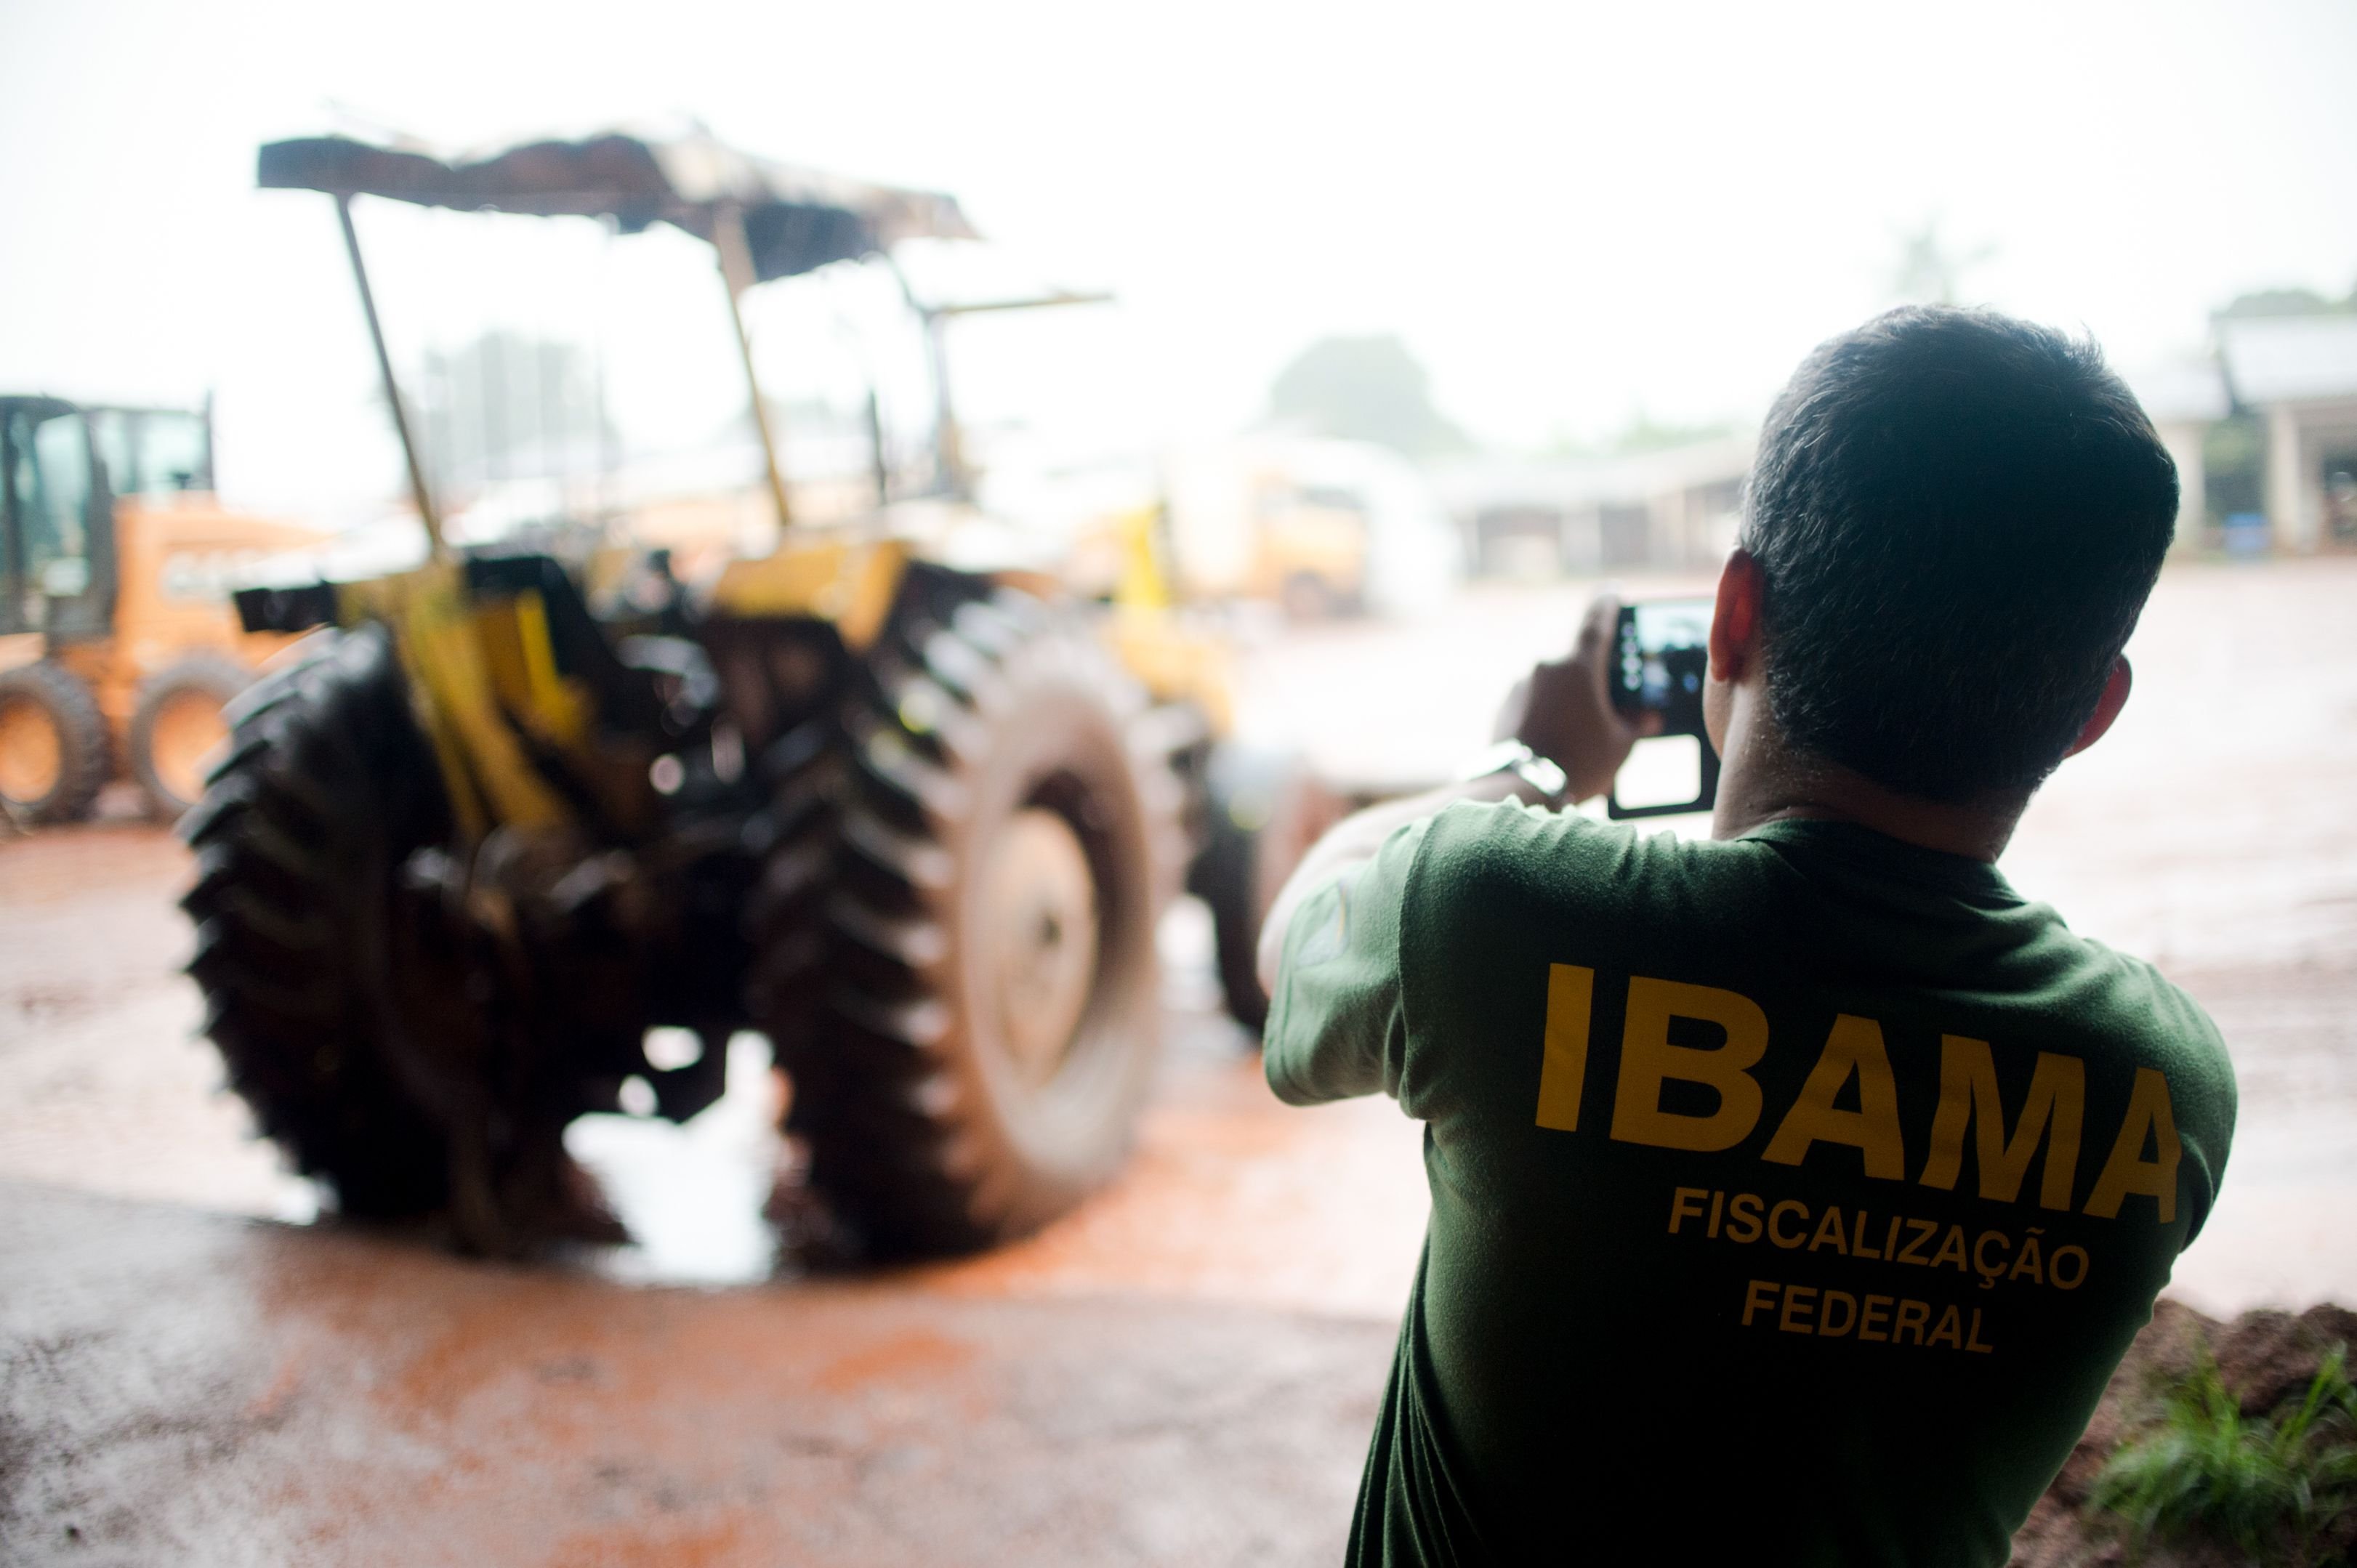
1735, 620
2108, 706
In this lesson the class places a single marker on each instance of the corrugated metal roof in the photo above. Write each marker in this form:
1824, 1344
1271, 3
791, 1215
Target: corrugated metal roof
2291, 359
2190, 391
1472, 484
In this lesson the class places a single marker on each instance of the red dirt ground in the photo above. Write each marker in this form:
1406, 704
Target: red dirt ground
1183, 1372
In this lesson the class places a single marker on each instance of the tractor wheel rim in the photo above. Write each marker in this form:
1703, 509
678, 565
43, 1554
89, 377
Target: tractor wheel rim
187, 732
1040, 941
32, 753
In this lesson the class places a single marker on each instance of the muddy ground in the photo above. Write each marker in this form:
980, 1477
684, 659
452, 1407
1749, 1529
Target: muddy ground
1184, 1372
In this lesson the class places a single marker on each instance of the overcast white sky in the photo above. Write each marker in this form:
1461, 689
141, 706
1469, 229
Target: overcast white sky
1568, 212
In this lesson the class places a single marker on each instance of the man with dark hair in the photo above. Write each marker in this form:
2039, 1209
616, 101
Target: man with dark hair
1794, 1192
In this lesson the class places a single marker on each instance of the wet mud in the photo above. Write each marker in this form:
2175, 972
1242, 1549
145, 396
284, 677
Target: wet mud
200, 1389
1183, 1372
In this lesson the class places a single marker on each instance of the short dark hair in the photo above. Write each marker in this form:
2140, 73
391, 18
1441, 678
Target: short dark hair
1958, 516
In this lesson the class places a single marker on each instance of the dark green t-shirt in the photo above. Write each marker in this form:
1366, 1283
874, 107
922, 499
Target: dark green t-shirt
1792, 1197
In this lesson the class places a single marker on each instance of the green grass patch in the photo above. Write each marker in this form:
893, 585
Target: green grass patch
2270, 1486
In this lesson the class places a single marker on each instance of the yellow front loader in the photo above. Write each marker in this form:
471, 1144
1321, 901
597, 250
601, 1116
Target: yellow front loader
118, 645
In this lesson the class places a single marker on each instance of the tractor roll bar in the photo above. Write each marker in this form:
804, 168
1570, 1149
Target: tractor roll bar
418, 489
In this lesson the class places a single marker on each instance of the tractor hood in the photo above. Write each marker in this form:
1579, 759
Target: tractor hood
795, 219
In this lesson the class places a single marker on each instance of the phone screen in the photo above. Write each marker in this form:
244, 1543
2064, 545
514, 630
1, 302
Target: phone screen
1663, 654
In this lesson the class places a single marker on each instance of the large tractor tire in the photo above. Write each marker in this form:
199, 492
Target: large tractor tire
52, 745
177, 728
957, 930
1263, 812
326, 787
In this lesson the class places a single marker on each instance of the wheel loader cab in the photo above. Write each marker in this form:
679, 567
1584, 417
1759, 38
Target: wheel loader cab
57, 556
154, 452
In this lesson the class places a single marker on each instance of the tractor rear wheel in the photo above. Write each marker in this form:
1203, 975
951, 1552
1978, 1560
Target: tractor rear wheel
52, 745
327, 789
178, 727
974, 1029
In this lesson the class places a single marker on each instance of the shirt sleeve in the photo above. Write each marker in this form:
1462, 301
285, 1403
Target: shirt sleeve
1338, 1023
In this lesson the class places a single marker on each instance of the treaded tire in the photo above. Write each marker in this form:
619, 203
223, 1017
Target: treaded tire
1262, 810
327, 787
937, 1115
213, 678
45, 693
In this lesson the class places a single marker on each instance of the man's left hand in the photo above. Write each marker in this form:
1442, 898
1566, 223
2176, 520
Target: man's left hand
1563, 709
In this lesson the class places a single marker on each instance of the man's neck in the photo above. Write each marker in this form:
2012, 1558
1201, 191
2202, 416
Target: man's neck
1764, 781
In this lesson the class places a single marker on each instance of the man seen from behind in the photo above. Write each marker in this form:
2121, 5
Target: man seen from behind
1794, 1191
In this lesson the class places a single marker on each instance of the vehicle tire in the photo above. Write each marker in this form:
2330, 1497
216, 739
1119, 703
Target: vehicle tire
178, 726
1262, 810
53, 751
326, 787
1307, 598
969, 1023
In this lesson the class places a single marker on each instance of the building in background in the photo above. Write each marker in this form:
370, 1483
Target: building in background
2263, 427
2298, 375
1673, 508
2184, 402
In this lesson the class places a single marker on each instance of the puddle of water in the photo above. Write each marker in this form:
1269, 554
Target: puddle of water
691, 1194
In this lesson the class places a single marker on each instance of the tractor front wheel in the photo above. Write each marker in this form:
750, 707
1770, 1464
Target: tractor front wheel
52, 745
975, 1028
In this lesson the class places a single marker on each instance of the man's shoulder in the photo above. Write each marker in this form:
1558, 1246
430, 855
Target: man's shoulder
1482, 862
2140, 1012
1509, 841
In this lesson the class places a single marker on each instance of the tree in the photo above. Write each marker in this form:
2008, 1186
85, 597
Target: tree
1364, 389
2269, 302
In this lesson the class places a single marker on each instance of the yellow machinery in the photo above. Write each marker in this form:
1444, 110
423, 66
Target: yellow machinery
118, 645
1251, 518
510, 839
1311, 550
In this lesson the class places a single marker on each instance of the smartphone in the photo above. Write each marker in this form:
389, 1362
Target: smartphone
1661, 657
1660, 652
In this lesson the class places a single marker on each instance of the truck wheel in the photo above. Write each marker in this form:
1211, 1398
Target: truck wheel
326, 787
974, 1042
1305, 597
178, 726
1263, 812
52, 745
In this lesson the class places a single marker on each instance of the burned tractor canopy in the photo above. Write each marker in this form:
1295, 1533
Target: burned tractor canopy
795, 219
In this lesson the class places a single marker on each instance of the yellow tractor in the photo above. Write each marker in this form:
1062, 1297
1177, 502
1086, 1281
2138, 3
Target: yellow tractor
117, 643
506, 817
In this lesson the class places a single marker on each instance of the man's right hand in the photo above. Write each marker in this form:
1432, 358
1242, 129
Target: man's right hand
1563, 709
